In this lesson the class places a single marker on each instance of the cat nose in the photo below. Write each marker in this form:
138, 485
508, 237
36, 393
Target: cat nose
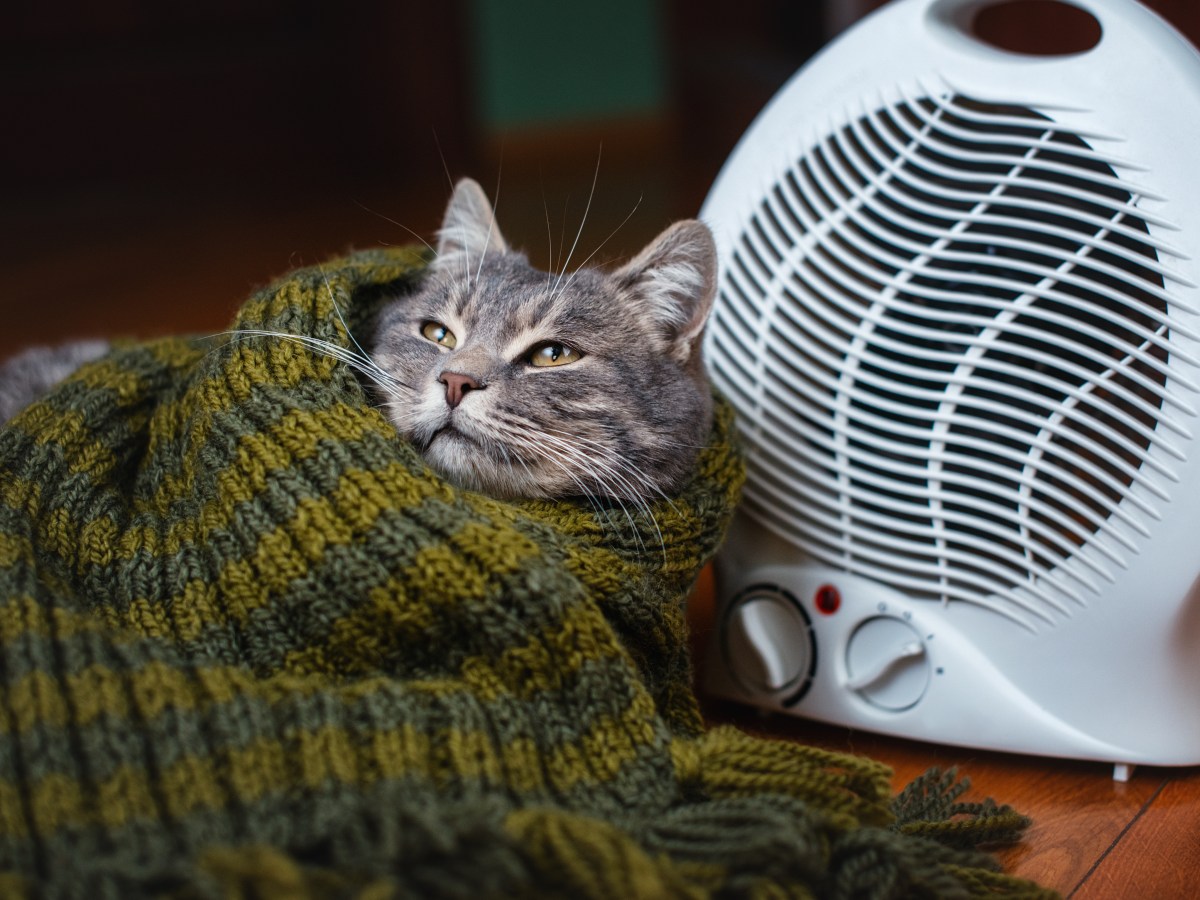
457, 385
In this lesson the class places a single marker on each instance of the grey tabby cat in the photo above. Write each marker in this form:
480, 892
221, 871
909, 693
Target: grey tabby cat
521, 383
31, 373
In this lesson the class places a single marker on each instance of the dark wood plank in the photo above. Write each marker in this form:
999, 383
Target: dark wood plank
1159, 856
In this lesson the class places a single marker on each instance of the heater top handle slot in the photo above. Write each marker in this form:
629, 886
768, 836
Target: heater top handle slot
1044, 31
1034, 27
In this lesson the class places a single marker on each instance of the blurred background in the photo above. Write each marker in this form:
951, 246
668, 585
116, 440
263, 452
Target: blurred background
160, 161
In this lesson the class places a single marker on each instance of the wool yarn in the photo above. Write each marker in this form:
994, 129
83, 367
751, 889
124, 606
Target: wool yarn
250, 645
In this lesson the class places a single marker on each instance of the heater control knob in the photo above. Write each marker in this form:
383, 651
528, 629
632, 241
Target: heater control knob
887, 663
767, 642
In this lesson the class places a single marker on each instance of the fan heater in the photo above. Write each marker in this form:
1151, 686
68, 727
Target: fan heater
958, 319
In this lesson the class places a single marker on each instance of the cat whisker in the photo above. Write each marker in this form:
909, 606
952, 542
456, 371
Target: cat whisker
549, 240
573, 463
593, 500
464, 239
508, 461
635, 483
358, 361
462, 226
392, 221
611, 235
325, 348
586, 209
611, 472
616, 459
512, 469
522, 437
442, 156
491, 228
362, 353
519, 440
517, 436
621, 472
562, 242
651, 486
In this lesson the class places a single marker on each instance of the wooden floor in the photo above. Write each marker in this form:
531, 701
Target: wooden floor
145, 264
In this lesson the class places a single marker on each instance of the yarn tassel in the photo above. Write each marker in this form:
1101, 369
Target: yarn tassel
929, 807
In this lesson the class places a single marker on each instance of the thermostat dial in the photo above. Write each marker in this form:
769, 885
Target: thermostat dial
767, 642
887, 663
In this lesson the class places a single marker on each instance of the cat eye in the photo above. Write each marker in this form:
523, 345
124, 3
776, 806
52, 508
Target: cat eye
439, 334
552, 353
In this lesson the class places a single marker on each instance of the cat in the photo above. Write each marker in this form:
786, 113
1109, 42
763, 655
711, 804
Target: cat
33, 372
517, 382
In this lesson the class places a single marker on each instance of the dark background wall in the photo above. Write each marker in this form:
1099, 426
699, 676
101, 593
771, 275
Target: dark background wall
160, 160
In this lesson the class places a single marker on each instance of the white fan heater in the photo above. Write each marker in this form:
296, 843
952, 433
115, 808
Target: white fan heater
958, 319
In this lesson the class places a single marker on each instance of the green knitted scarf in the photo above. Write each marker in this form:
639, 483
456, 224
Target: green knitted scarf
251, 646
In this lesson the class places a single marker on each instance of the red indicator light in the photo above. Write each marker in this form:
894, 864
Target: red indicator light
827, 599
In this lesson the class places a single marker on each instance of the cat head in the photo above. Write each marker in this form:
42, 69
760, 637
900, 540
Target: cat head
523, 383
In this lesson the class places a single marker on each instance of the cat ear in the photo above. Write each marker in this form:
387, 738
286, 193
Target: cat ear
469, 229
675, 280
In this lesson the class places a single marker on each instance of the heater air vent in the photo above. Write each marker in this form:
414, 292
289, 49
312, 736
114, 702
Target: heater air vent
947, 327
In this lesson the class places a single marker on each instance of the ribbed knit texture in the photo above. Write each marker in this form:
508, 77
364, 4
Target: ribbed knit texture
250, 646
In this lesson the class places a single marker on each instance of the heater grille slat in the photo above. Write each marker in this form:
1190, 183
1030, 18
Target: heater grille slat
1094, 311
1027, 206
870, 495
983, 458
949, 328
891, 423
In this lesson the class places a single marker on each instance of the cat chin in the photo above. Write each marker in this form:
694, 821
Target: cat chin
464, 464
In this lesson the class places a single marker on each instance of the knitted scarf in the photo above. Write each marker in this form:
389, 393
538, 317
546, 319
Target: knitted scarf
250, 646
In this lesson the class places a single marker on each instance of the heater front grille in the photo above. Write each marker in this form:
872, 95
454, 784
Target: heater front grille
946, 327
